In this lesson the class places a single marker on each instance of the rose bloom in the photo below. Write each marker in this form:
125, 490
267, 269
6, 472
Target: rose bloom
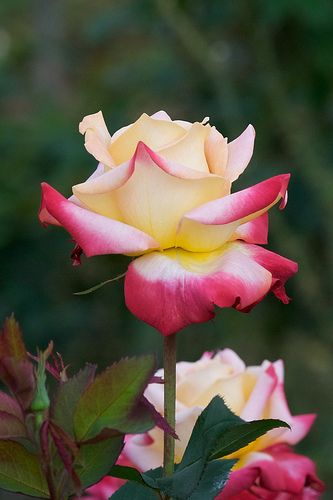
267, 468
161, 193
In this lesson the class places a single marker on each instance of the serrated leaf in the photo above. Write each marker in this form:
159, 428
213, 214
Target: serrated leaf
110, 402
239, 436
215, 419
95, 460
68, 394
20, 471
11, 341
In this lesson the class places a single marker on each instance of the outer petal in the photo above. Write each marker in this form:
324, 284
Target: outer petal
97, 137
239, 154
280, 267
209, 226
150, 194
216, 151
182, 287
96, 234
46, 218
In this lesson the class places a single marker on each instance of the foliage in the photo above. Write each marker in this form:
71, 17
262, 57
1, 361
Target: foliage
55, 445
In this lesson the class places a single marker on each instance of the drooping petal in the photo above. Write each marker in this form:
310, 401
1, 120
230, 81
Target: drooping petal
182, 287
153, 132
240, 153
150, 194
97, 138
96, 234
216, 151
280, 268
209, 226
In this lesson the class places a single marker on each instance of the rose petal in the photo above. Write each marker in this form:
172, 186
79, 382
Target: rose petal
190, 150
209, 226
97, 137
216, 151
254, 231
96, 234
153, 132
150, 194
280, 267
182, 287
240, 153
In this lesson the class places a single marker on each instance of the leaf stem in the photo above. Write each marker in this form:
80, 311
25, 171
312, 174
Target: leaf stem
169, 354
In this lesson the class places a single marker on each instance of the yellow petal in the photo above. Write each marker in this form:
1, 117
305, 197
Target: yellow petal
154, 133
97, 137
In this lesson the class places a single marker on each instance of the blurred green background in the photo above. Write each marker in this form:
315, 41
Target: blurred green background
239, 62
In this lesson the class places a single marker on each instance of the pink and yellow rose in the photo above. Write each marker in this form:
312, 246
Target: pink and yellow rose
267, 468
162, 193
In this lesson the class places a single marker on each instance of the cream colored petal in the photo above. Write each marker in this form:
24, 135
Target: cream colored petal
216, 151
97, 137
154, 133
190, 150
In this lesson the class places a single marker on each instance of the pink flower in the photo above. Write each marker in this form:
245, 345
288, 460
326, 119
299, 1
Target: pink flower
267, 467
161, 193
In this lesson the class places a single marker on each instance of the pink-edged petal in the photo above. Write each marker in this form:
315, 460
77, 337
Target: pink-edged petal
240, 153
280, 267
240, 481
96, 234
216, 151
150, 194
182, 287
97, 137
209, 226
153, 132
254, 231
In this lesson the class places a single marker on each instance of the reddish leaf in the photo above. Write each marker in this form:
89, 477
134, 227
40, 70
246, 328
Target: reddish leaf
67, 451
16, 371
10, 405
159, 420
11, 426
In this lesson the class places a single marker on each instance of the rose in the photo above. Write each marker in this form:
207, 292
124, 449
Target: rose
162, 193
268, 466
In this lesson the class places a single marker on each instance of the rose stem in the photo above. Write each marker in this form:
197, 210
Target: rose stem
169, 354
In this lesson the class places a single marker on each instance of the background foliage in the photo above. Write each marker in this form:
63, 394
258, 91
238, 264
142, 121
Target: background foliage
268, 63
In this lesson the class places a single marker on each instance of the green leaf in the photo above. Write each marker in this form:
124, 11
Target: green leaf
215, 419
111, 400
241, 435
20, 471
213, 480
67, 397
95, 460
131, 474
135, 491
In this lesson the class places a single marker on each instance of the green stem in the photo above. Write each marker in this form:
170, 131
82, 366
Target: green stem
169, 401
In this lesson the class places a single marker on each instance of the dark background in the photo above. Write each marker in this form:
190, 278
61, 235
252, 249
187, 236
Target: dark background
239, 62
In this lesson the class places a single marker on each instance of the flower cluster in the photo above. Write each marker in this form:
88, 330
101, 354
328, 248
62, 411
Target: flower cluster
266, 468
